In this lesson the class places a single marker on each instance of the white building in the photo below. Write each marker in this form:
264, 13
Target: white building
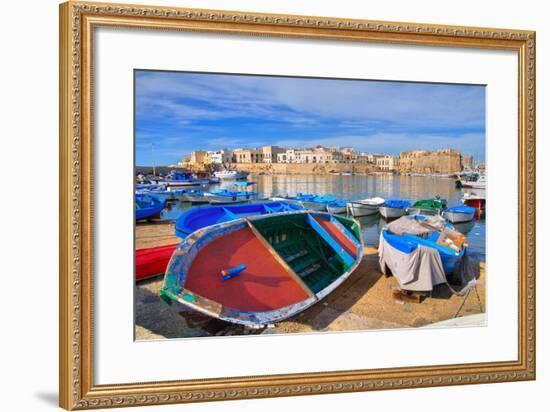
387, 162
220, 156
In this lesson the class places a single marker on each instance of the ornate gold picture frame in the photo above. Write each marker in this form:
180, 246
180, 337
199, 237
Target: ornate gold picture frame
77, 23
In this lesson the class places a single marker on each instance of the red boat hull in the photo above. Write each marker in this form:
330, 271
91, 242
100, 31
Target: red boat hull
151, 262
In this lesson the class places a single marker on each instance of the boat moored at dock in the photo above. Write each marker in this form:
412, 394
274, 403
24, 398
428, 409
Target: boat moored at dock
365, 207
428, 207
459, 214
263, 269
226, 196
231, 174
337, 206
147, 206
307, 201
392, 209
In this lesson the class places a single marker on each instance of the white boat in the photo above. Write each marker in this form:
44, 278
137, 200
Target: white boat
365, 207
459, 214
231, 174
393, 209
337, 207
480, 183
227, 198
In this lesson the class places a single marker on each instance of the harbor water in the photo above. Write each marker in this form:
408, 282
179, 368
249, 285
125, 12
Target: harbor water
356, 187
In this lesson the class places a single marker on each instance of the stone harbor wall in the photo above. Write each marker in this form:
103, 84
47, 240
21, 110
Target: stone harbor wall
425, 161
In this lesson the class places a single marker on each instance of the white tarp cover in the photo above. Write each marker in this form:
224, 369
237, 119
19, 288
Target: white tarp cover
421, 269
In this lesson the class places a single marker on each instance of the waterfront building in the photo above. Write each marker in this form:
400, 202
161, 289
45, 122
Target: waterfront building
387, 162
248, 155
220, 156
271, 153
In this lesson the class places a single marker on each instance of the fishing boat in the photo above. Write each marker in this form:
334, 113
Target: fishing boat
475, 200
407, 233
231, 174
226, 196
459, 214
392, 209
337, 206
202, 216
307, 201
263, 269
428, 207
148, 206
365, 207
193, 196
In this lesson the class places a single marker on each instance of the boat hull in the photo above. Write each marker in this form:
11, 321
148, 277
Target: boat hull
277, 281
458, 217
392, 212
336, 209
196, 218
316, 206
414, 211
360, 209
150, 209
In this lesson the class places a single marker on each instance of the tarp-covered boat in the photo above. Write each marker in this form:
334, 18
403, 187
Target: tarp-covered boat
392, 209
263, 269
148, 206
202, 216
421, 251
459, 214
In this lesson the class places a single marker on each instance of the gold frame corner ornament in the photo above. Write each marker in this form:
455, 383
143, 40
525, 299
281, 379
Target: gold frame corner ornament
77, 21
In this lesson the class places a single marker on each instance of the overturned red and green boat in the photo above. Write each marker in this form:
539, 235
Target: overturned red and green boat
260, 270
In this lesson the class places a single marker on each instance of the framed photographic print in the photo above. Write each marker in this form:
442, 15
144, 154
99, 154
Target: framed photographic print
261, 205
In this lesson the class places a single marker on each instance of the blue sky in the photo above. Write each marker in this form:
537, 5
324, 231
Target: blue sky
178, 112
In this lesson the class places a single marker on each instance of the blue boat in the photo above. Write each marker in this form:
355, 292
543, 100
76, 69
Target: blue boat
308, 201
202, 216
226, 196
148, 206
408, 232
337, 206
392, 209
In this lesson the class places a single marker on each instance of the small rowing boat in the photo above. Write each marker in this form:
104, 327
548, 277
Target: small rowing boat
151, 262
198, 217
428, 207
263, 269
365, 207
337, 206
147, 206
459, 214
225, 196
307, 201
392, 209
